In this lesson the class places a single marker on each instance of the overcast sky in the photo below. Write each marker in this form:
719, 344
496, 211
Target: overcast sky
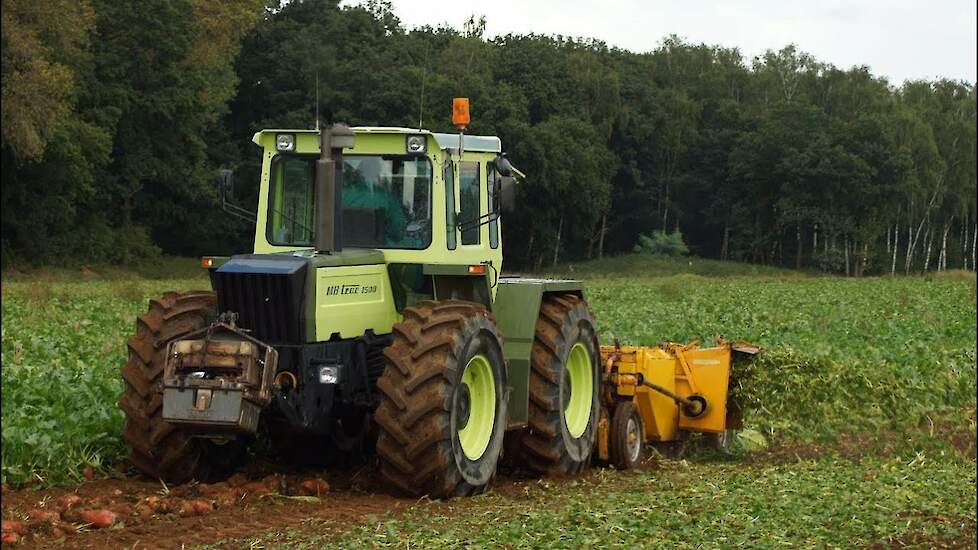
899, 39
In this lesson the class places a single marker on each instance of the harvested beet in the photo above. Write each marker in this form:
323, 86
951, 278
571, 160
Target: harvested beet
187, 509
314, 487
9, 537
68, 501
13, 526
99, 519
203, 506
48, 516
237, 480
210, 490
256, 487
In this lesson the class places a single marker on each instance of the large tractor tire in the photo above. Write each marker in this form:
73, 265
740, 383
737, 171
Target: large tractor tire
564, 405
157, 448
442, 414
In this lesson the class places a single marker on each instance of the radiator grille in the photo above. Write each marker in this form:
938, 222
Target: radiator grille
270, 305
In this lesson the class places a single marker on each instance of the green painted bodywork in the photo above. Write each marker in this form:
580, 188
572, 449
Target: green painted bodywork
516, 307
447, 269
351, 290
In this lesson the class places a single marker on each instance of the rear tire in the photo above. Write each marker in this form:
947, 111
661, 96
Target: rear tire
627, 436
564, 383
157, 448
442, 413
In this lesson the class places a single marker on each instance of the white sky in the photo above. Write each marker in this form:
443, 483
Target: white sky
898, 39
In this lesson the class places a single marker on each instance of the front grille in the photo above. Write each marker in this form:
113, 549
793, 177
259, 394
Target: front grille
270, 305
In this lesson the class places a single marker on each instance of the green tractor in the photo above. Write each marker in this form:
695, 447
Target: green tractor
372, 312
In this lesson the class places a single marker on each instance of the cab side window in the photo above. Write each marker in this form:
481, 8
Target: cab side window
449, 177
469, 200
494, 218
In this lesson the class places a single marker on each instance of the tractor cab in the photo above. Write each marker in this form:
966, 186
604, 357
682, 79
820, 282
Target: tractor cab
415, 195
378, 220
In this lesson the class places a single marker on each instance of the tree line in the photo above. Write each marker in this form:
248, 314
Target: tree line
117, 115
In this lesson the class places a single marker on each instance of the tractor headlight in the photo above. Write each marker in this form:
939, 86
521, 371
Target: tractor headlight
329, 374
285, 142
417, 145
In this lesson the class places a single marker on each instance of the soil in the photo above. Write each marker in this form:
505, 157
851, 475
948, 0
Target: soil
150, 515
262, 497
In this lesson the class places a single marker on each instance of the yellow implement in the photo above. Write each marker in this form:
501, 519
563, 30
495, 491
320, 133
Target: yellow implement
654, 393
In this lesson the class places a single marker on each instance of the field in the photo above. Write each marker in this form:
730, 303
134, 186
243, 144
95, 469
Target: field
860, 420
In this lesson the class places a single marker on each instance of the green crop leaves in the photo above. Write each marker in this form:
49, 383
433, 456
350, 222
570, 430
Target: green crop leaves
826, 503
63, 346
841, 356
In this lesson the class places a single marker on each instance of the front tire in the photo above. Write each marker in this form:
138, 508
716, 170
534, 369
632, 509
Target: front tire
564, 383
157, 448
442, 414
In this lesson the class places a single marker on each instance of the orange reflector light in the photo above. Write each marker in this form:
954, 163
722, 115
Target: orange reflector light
477, 269
460, 112
206, 262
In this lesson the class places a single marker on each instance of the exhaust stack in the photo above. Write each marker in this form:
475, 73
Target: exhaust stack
329, 186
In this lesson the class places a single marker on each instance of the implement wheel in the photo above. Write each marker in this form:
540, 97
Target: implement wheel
157, 448
627, 436
443, 400
563, 412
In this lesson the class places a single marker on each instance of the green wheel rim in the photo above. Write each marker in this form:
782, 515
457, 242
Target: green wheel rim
474, 436
577, 409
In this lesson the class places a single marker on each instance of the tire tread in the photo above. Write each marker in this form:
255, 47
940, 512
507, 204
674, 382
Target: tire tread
414, 446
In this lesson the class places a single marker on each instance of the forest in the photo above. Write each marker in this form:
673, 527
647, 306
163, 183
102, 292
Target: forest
117, 116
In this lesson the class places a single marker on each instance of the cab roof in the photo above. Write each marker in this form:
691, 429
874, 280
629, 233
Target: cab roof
484, 144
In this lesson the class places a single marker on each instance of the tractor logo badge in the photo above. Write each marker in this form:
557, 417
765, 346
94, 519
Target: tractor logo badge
345, 290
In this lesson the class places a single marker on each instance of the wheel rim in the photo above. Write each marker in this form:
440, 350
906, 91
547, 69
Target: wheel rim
633, 441
476, 415
577, 408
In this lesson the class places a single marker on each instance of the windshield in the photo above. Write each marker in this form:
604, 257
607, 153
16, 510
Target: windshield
386, 201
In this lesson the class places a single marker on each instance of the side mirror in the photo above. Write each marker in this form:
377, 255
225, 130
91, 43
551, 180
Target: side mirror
504, 195
225, 192
225, 183
503, 166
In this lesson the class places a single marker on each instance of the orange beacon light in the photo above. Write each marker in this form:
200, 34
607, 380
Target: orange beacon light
460, 112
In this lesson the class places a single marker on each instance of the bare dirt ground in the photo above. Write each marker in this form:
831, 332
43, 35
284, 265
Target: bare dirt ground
149, 515
261, 497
